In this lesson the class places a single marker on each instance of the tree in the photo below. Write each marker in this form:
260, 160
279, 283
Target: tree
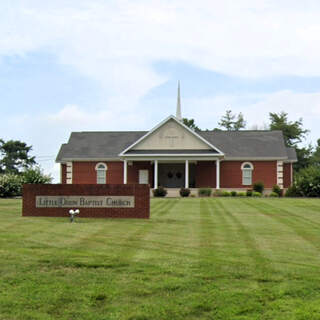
316, 154
15, 156
293, 134
304, 156
191, 124
293, 131
232, 122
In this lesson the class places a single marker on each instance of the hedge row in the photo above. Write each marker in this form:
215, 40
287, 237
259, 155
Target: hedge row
11, 184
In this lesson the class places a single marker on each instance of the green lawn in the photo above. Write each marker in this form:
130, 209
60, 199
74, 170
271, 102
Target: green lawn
218, 258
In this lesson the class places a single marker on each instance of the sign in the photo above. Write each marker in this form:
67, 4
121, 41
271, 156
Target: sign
85, 202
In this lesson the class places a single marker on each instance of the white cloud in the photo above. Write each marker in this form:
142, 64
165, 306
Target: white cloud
116, 42
256, 108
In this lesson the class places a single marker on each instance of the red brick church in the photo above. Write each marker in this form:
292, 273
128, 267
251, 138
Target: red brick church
174, 156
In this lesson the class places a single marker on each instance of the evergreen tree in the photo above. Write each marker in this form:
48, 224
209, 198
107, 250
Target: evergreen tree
232, 122
14, 156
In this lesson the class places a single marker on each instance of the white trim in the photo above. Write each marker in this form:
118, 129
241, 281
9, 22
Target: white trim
280, 174
101, 163
162, 123
88, 159
175, 158
243, 169
245, 163
125, 171
217, 174
104, 169
172, 154
186, 174
69, 171
155, 174
252, 158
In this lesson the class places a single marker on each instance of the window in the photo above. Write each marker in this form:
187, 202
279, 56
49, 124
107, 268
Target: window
101, 169
247, 168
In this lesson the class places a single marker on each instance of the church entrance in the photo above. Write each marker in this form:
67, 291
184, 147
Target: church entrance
172, 175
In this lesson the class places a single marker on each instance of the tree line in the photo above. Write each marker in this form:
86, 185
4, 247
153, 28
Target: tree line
293, 132
18, 167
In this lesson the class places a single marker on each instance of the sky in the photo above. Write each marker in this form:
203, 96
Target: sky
102, 65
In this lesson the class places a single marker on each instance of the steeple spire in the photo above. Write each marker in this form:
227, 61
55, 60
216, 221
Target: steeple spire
178, 112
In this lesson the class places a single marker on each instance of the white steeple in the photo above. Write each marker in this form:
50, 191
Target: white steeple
178, 112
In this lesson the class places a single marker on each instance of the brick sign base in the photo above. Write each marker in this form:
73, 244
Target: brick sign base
140, 194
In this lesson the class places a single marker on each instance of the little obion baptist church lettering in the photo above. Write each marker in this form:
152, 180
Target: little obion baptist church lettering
94, 201
85, 201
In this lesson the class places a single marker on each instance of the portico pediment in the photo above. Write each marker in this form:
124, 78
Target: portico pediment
171, 135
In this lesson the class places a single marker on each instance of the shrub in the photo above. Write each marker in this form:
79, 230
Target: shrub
249, 193
292, 192
256, 194
35, 175
205, 192
258, 186
276, 189
184, 192
308, 181
159, 192
233, 193
274, 195
226, 194
241, 194
10, 185
217, 193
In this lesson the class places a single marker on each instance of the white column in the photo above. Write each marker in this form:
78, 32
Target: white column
125, 171
155, 174
187, 174
217, 174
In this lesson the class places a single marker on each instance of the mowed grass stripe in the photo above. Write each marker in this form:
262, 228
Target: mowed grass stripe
208, 258
310, 233
261, 266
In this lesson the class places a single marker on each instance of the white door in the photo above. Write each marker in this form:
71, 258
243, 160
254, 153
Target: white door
143, 176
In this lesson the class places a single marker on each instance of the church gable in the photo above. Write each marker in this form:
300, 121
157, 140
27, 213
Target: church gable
171, 136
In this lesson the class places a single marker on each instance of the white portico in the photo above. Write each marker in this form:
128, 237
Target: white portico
174, 150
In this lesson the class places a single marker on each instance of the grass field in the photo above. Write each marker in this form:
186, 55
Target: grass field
218, 258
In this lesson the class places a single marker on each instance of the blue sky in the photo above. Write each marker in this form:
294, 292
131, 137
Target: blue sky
114, 65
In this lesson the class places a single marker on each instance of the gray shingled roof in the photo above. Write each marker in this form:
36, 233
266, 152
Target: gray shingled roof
292, 155
97, 145
256, 144
234, 144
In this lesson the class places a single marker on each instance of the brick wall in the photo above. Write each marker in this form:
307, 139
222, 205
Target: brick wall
63, 169
140, 192
85, 172
287, 175
205, 174
231, 174
133, 171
